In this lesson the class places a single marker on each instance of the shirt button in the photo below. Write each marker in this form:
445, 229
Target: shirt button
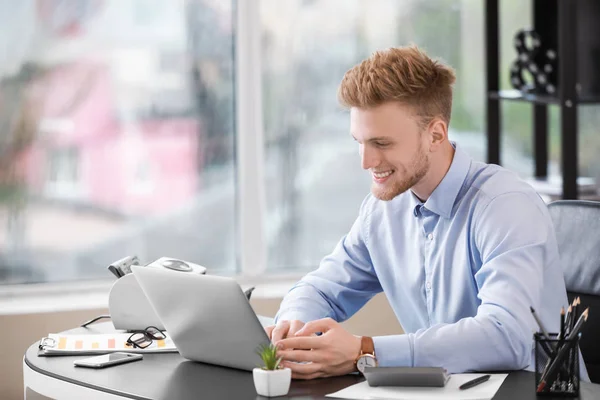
428, 286
430, 236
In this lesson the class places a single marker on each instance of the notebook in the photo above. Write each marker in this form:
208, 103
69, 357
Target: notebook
450, 391
63, 344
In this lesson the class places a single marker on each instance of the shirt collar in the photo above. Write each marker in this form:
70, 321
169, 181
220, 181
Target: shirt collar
444, 195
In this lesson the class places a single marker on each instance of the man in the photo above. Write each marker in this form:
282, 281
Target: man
462, 249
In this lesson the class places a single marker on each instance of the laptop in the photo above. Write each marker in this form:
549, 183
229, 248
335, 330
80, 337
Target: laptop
208, 317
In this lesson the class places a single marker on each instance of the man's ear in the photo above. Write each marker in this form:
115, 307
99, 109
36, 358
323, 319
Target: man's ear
439, 133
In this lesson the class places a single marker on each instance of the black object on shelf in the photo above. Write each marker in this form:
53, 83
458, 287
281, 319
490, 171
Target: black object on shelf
569, 55
535, 68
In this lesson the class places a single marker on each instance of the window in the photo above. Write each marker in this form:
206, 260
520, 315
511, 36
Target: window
312, 171
313, 177
209, 130
63, 172
118, 127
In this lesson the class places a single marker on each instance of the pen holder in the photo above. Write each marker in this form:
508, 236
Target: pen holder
556, 366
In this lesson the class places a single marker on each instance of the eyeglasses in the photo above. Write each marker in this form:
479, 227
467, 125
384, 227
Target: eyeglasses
143, 339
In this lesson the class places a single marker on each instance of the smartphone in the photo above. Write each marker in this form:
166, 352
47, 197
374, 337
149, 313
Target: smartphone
107, 360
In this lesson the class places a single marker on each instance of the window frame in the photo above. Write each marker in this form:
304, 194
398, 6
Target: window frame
250, 177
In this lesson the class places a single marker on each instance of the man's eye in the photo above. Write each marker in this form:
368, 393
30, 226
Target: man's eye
381, 144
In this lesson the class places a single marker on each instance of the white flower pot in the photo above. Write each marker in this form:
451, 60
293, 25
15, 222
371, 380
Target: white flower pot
272, 383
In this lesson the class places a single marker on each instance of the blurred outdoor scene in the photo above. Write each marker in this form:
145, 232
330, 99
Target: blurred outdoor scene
118, 131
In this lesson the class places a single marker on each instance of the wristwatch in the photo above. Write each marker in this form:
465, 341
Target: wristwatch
366, 357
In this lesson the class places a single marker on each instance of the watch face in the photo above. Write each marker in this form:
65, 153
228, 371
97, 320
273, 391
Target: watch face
365, 360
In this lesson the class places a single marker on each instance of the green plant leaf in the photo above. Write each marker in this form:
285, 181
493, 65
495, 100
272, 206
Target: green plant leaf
268, 354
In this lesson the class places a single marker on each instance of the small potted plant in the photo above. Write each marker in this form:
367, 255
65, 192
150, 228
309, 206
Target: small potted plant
271, 380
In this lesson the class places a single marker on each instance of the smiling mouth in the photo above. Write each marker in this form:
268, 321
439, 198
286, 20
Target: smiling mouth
383, 174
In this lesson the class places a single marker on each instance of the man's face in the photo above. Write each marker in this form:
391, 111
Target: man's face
391, 147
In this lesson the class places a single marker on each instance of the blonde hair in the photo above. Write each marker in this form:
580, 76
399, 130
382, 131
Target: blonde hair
403, 74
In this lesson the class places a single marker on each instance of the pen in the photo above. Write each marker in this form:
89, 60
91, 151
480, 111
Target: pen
542, 328
549, 348
474, 382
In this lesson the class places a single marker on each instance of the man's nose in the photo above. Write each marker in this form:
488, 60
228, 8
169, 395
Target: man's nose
369, 157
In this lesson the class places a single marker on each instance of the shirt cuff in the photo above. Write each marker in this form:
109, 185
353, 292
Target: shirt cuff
393, 351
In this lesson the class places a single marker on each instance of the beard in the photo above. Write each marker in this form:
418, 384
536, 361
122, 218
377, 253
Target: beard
419, 167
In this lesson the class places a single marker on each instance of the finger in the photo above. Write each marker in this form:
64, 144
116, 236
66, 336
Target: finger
269, 330
280, 331
300, 370
320, 325
300, 342
300, 355
309, 376
295, 326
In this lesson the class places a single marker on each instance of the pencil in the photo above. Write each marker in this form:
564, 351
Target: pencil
576, 302
568, 319
562, 353
562, 323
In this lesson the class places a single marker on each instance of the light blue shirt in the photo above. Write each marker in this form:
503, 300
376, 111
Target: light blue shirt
460, 272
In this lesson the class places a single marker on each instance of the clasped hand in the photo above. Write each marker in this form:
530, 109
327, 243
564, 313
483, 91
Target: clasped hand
310, 356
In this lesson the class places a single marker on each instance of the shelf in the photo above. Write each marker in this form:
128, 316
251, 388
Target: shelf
536, 98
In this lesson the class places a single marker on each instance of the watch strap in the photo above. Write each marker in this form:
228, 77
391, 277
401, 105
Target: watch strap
367, 346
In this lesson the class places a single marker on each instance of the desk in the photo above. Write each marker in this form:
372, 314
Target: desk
170, 376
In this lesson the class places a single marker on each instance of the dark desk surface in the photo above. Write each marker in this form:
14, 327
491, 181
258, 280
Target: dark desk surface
170, 376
